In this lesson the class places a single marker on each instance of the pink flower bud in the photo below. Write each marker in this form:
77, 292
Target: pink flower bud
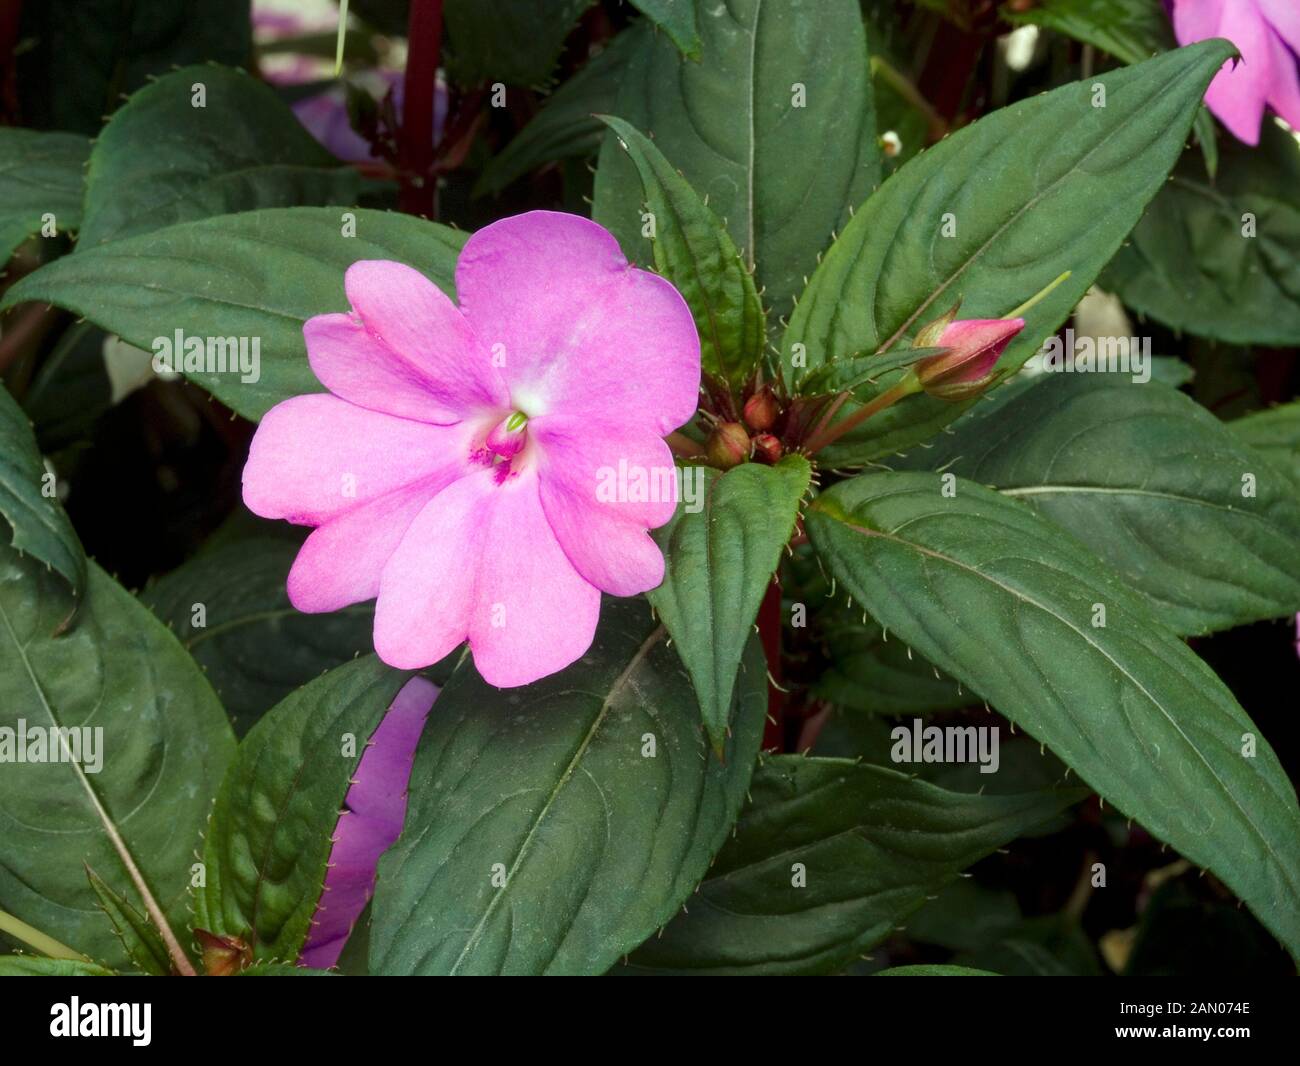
761, 410
974, 346
767, 448
728, 445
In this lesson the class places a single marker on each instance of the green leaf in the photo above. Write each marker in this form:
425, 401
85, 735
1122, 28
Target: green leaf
858, 668
34, 966
282, 969
242, 151
1130, 30
1052, 945
81, 55
1153, 483
40, 526
718, 562
693, 250
254, 646
270, 835
677, 19
164, 746
144, 946
1047, 185
71, 389
933, 971
869, 672
731, 124
256, 275
40, 173
566, 126
1171, 371
1275, 433
1006, 602
865, 375
551, 789
512, 41
1192, 263
873, 843
966, 915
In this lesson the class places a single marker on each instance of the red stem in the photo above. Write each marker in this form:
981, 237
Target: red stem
424, 43
11, 12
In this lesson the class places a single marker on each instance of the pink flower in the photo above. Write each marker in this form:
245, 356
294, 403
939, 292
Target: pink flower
974, 347
482, 468
1267, 34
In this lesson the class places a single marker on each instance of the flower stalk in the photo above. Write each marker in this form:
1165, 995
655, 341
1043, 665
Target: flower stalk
418, 194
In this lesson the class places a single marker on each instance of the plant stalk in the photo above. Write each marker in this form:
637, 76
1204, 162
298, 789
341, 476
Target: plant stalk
823, 437
419, 191
34, 938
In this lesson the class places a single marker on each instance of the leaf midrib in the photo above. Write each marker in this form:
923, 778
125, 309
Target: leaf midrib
1110, 490
624, 676
96, 805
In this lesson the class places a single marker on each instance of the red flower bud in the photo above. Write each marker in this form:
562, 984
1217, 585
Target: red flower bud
974, 346
761, 410
767, 448
728, 445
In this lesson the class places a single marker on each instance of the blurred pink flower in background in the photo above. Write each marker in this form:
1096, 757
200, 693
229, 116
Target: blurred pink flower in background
1267, 34
458, 468
325, 114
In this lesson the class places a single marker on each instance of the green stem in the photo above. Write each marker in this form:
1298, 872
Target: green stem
34, 938
343, 33
1020, 311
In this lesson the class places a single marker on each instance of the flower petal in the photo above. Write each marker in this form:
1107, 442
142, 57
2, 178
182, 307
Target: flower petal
406, 349
1238, 92
578, 329
371, 821
341, 562
1196, 20
1284, 17
1284, 91
315, 457
481, 562
426, 589
602, 487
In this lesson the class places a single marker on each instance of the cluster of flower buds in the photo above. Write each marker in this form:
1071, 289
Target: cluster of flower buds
761, 413
732, 443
